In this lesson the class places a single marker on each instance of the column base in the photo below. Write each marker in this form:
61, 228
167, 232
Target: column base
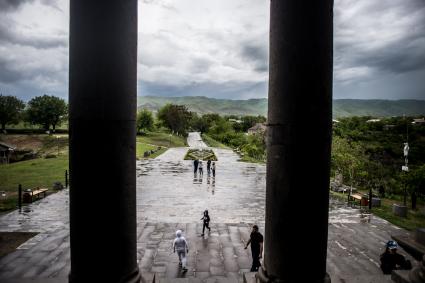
134, 277
263, 277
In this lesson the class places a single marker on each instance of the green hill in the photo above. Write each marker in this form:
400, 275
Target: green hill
203, 105
341, 107
378, 108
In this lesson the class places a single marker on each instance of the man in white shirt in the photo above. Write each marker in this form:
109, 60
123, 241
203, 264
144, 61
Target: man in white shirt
180, 245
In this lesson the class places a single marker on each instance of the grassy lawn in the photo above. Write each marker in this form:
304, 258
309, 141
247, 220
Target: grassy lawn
212, 142
30, 173
161, 139
142, 147
247, 158
414, 219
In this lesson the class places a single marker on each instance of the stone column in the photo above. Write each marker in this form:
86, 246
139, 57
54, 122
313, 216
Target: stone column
299, 141
102, 131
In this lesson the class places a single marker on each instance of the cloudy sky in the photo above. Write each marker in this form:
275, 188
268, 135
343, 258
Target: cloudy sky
220, 48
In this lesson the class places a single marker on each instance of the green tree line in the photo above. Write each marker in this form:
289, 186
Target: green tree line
229, 130
46, 111
369, 154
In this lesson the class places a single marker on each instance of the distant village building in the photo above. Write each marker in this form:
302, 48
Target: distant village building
258, 128
5, 152
373, 121
235, 121
420, 121
335, 122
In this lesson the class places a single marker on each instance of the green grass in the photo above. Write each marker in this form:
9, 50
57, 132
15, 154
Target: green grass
31, 173
162, 139
24, 125
247, 158
212, 142
414, 219
142, 147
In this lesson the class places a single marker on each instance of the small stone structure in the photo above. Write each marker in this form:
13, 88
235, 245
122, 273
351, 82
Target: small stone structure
6, 151
376, 202
400, 210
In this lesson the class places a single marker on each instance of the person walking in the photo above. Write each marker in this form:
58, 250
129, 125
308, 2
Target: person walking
180, 245
213, 168
256, 241
195, 166
201, 172
206, 219
209, 167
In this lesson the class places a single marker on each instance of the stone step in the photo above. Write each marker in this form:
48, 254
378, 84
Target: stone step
376, 278
34, 280
179, 280
213, 279
249, 277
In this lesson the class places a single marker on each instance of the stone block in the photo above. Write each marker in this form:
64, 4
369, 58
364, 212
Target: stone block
376, 202
399, 210
420, 236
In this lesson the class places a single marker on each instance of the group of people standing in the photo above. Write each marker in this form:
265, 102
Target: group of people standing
199, 168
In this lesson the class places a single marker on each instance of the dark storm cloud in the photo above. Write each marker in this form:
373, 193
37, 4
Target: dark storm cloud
12, 72
396, 45
7, 74
12, 5
257, 54
8, 34
379, 49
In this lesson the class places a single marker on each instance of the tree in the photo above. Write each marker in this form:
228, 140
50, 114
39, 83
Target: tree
415, 181
10, 110
175, 117
250, 121
46, 111
144, 121
348, 158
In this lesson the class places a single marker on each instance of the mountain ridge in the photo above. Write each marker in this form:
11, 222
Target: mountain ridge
258, 106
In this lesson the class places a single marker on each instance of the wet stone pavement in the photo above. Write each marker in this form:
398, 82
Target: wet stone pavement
171, 197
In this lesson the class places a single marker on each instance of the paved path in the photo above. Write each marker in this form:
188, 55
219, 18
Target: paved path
194, 140
171, 197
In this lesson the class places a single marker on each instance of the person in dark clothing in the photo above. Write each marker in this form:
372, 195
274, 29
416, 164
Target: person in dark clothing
391, 260
200, 169
213, 169
209, 167
206, 219
195, 165
256, 241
